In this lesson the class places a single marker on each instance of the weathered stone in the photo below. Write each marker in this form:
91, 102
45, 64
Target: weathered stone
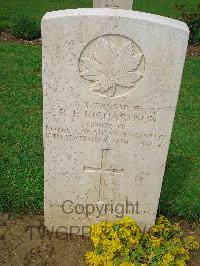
111, 80
122, 4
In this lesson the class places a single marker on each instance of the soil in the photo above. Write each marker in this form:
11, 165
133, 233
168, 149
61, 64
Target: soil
23, 244
193, 50
6, 36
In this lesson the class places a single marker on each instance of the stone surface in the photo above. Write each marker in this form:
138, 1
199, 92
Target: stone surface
110, 95
122, 4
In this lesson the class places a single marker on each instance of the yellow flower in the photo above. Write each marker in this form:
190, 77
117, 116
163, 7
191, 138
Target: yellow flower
176, 227
155, 241
93, 259
134, 240
163, 220
182, 251
180, 263
151, 256
176, 240
127, 264
121, 238
158, 228
168, 258
191, 242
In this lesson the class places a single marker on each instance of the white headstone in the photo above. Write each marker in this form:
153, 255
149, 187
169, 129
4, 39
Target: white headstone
111, 81
122, 4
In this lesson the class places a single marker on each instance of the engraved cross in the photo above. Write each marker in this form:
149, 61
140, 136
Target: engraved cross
103, 170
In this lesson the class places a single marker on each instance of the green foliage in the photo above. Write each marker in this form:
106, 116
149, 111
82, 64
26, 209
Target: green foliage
26, 28
38, 8
1, 29
181, 190
163, 245
21, 151
192, 19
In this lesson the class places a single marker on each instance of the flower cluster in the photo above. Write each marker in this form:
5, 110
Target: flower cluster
122, 243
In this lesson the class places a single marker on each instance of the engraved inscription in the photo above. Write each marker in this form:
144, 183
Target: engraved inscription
95, 135
111, 3
112, 65
125, 4
98, 122
103, 170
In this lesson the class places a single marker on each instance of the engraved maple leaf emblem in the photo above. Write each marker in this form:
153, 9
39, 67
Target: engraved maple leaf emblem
111, 66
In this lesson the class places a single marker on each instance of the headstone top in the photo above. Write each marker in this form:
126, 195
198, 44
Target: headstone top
122, 4
116, 12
